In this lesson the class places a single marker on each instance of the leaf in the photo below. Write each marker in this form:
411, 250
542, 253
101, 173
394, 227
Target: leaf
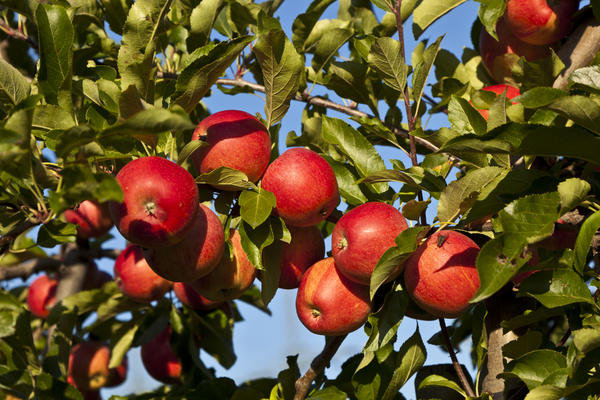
464, 118
14, 87
539, 97
304, 23
328, 46
422, 70
281, 68
204, 66
255, 207
386, 58
121, 343
384, 323
225, 178
349, 189
362, 153
437, 380
428, 11
584, 240
202, 19
522, 139
572, 192
150, 121
582, 110
328, 393
588, 77
411, 356
556, 288
413, 209
417, 177
534, 367
349, 80
587, 338
490, 12
189, 149
460, 195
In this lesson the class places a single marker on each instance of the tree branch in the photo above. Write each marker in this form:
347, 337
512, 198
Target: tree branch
579, 50
317, 366
17, 34
464, 382
30, 267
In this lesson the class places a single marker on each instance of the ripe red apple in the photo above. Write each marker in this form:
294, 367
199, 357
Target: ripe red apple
231, 278
235, 140
306, 248
511, 92
160, 360
160, 200
92, 219
88, 365
441, 276
191, 298
304, 185
328, 303
540, 21
563, 237
499, 56
117, 375
196, 255
361, 237
41, 295
136, 279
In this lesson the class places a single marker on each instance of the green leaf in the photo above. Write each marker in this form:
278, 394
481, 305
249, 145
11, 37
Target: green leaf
203, 67
556, 288
497, 114
362, 153
121, 343
587, 338
255, 207
587, 77
281, 68
150, 121
539, 97
349, 80
428, 11
572, 192
225, 178
14, 87
417, 177
490, 12
328, 393
202, 19
189, 149
328, 45
534, 367
437, 380
411, 357
422, 70
387, 59
546, 392
582, 110
413, 209
349, 189
584, 240
304, 23
522, 139
460, 195
8, 320
464, 118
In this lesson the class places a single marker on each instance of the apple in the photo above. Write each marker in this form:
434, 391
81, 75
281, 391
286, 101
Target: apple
563, 237
231, 278
415, 312
328, 303
533, 261
304, 185
196, 255
41, 295
160, 200
540, 21
95, 278
92, 219
191, 298
117, 375
362, 235
440, 276
136, 279
88, 365
511, 92
306, 248
499, 56
235, 140
160, 360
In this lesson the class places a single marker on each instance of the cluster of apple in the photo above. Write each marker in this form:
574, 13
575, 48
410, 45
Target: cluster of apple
528, 28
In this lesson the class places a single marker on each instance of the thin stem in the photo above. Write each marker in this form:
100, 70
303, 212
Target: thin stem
17, 34
457, 367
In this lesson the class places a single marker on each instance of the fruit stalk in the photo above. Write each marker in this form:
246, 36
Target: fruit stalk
464, 382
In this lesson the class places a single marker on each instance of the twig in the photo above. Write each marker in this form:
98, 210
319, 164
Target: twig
17, 34
30, 267
317, 366
457, 367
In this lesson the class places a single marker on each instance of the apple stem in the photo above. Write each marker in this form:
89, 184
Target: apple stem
317, 366
457, 367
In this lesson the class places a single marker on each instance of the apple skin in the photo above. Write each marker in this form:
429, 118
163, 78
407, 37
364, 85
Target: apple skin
235, 140
118, 375
92, 219
136, 279
362, 235
440, 276
160, 360
160, 200
511, 93
191, 298
41, 295
306, 248
540, 22
231, 278
304, 185
327, 303
196, 255
496, 54
88, 365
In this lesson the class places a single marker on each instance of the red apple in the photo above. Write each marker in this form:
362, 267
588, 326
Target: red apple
304, 185
88, 365
441, 276
499, 56
160, 200
196, 255
191, 298
136, 279
533, 261
511, 92
563, 237
540, 21
231, 278
92, 219
117, 375
361, 237
415, 312
328, 303
160, 360
41, 295
235, 140
306, 248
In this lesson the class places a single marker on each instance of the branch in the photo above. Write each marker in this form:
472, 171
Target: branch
579, 50
28, 268
317, 366
17, 34
464, 382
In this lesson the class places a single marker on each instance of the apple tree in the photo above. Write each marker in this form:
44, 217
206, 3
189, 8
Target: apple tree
500, 198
